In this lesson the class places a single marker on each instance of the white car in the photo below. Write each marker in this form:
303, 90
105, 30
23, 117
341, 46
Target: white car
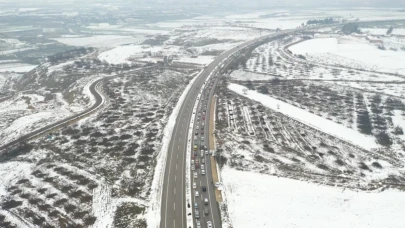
205, 201
206, 152
209, 224
202, 172
195, 174
202, 154
194, 185
203, 161
192, 167
202, 166
198, 224
197, 194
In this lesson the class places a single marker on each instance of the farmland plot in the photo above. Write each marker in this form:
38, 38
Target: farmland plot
97, 172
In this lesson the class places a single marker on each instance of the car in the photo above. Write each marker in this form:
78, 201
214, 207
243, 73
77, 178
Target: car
202, 154
198, 224
209, 224
206, 152
194, 185
197, 194
198, 127
197, 214
196, 205
204, 189
195, 175
192, 167
202, 172
205, 201
202, 161
202, 132
202, 138
192, 161
203, 118
206, 211
196, 161
202, 167
196, 132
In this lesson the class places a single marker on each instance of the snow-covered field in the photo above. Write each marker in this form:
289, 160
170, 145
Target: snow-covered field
121, 54
262, 201
354, 49
101, 40
202, 60
383, 31
16, 67
308, 118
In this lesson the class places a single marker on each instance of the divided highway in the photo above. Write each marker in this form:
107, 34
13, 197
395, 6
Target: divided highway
173, 207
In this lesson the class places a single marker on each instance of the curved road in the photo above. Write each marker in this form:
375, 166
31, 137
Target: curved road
99, 101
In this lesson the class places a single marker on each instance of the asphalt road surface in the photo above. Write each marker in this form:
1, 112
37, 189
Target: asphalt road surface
98, 101
173, 211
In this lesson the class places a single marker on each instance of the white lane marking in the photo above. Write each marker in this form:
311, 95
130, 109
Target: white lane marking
175, 191
178, 147
174, 223
167, 187
175, 178
177, 156
174, 206
176, 166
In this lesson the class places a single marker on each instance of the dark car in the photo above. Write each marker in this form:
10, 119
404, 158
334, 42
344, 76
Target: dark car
204, 189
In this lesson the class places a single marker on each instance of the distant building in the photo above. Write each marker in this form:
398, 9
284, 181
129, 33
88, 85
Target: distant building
374, 40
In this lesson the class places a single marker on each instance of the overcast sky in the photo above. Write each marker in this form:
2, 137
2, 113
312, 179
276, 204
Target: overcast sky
325, 3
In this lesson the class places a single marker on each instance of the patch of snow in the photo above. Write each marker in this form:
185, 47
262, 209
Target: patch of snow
203, 60
261, 201
357, 50
315, 121
16, 67
100, 40
10, 171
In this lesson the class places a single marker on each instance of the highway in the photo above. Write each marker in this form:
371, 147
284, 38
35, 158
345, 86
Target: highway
173, 206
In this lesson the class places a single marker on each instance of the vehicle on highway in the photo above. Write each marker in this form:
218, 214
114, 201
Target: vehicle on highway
206, 152
204, 189
196, 132
195, 175
197, 194
195, 147
198, 127
198, 224
202, 138
202, 172
206, 211
192, 167
205, 201
197, 214
194, 185
202, 167
202, 154
209, 224
196, 205
202, 161
203, 117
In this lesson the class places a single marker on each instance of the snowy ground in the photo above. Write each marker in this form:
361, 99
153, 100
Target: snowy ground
306, 117
353, 49
16, 67
101, 40
282, 202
